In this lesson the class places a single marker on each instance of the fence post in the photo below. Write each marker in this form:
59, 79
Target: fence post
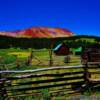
86, 79
3, 93
86, 74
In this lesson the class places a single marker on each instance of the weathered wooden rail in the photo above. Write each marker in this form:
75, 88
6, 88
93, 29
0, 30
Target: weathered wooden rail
56, 80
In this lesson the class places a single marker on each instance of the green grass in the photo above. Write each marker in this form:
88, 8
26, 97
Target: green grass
11, 57
40, 58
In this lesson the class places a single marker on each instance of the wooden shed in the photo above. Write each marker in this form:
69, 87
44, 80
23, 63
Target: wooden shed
61, 49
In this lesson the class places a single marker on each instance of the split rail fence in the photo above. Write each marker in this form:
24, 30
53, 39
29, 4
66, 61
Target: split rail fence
54, 80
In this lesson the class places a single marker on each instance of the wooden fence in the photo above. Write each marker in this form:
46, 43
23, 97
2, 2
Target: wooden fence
55, 80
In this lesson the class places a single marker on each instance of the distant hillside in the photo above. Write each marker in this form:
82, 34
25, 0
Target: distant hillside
38, 32
39, 43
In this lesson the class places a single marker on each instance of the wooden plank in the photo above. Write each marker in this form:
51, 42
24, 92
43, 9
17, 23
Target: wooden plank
42, 69
49, 80
94, 80
92, 67
93, 62
45, 86
42, 75
52, 93
98, 72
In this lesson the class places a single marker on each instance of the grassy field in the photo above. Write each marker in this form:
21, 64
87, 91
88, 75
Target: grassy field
11, 58
40, 59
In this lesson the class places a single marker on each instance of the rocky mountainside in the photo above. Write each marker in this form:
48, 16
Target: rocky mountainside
39, 32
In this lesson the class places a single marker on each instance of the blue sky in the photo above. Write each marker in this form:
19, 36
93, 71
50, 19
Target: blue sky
82, 17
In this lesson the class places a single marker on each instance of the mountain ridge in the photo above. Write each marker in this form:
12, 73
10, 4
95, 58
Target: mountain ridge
38, 32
